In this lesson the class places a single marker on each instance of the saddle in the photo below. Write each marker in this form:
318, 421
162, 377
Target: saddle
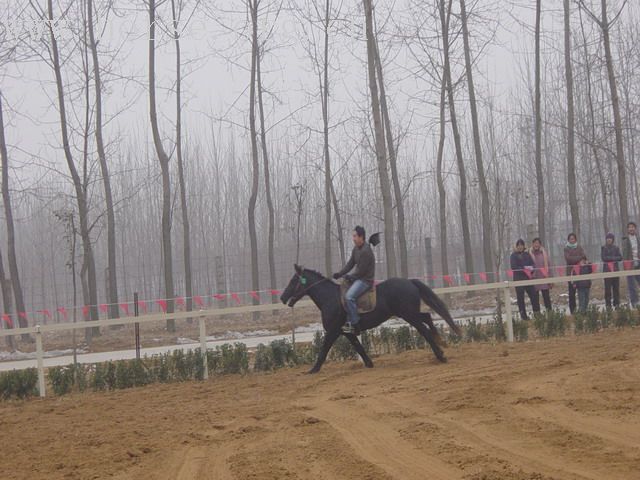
366, 301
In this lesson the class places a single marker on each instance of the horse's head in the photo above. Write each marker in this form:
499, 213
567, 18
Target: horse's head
299, 285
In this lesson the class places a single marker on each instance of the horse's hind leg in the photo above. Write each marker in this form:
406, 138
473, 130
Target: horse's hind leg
417, 322
428, 320
360, 349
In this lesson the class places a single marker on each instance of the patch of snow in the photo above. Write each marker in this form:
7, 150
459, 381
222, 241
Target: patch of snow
18, 355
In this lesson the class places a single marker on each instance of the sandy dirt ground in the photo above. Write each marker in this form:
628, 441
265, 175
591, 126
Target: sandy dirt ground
564, 408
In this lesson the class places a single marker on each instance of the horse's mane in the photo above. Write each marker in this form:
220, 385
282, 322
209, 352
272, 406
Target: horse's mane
314, 272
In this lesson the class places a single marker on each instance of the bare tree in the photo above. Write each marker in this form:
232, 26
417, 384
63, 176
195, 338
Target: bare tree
484, 189
605, 25
104, 167
571, 160
163, 158
538, 129
186, 234
445, 15
380, 148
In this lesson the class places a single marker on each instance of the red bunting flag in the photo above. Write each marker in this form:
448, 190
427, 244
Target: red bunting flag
198, 300
23, 315
576, 269
63, 311
85, 310
163, 305
143, 305
104, 307
277, 292
7, 320
594, 268
255, 295
544, 271
467, 277
46, 313
236, 297
376, 283
528, 273
561, 271
448, 279
510, 274
627, 264
483, 276
180, 301
125, 308
611, 266
219, 296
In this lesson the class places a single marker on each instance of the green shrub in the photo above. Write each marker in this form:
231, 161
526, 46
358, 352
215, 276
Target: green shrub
403, 339
474, 332
386, 339
342, 350
520, 330
264, 359
592, 319
496, 329
549, 324
283, 353
65, 379
18, 383
233, 358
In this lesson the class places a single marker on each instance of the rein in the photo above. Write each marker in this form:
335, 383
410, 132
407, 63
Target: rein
306, 289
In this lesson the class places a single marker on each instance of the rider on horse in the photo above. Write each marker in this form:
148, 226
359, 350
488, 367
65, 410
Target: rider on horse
361, 279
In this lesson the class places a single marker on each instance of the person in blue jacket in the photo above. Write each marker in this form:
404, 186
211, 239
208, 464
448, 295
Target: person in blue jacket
522, 266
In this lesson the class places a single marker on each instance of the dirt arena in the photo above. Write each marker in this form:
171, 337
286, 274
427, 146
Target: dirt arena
557, 409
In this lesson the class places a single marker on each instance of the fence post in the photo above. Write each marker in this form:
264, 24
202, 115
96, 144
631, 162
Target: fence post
507, 311
203, 346
40, 356
136, 325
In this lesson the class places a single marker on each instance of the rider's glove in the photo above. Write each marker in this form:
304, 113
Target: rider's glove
349, 278
336, 276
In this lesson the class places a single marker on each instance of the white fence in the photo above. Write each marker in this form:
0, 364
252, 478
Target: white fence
202, 315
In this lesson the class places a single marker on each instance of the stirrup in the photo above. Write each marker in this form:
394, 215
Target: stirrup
348, 328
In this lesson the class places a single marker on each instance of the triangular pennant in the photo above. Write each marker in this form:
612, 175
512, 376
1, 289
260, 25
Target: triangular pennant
467, 277
576, 269
220, 296
236, 297
627, 264
143, 305
85, 311
180, 301
448, 279
63, 311
483, 276
7, 320
510, 274
254, 295
594, 268
561, 270
544, 271
528, 273
163, 305
275, 292
611, 266
125, 308
104, 308
198, 300
23, 315
46, 313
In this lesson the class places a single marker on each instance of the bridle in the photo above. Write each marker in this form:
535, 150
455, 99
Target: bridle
303, 281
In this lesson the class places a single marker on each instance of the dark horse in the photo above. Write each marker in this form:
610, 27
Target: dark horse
395, 297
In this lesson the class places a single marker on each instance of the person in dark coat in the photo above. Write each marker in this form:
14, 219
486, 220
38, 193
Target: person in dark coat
573, 254
522, 266
582, 286
542, 268
631, 257
610, 254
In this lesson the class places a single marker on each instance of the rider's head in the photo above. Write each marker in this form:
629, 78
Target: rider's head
358, 236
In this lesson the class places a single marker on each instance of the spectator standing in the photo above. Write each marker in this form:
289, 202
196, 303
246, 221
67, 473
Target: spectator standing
573, 254
541, 266
630, 258
583, 286
522, 267
611, 255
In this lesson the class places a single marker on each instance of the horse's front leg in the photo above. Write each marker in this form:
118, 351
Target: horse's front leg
329, 339
360, 349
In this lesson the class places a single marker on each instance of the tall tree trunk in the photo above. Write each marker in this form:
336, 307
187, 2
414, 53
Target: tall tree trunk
106, 181
334, 198
464, 214
253, 237
11, 235
163, 158
442, 192
397, 191
538, 129
381, 156
617, 119
484, 189
83, 212
592, 127
5, 286
186, 234
267, 179
324, 91
571, 160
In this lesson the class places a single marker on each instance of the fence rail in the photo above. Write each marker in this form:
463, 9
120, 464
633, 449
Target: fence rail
202, 315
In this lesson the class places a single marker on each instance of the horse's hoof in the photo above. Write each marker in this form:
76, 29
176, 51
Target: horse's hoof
368, 365
443, 359
313, 370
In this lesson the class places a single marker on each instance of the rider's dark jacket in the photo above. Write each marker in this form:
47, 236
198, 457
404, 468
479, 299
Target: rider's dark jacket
362, 258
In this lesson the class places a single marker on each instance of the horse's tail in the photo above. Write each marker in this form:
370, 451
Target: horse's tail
432, 300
